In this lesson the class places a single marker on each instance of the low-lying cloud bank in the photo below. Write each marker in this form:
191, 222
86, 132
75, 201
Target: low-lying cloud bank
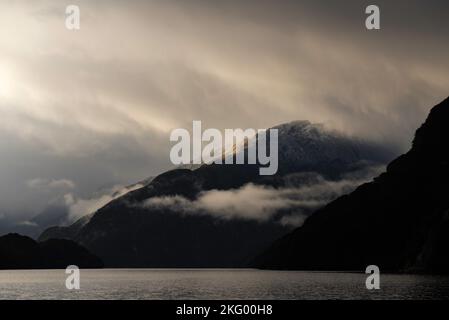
64, 209
287, 206
79, 207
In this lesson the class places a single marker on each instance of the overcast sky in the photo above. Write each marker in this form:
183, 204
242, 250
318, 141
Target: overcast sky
81, 110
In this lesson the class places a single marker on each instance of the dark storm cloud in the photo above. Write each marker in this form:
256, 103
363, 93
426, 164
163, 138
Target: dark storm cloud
96, 106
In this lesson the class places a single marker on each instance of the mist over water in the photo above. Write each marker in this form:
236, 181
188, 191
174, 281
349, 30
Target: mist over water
217, 284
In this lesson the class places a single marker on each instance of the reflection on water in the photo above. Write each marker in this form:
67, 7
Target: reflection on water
216, 284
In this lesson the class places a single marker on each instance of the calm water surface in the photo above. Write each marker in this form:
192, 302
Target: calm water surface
216, 284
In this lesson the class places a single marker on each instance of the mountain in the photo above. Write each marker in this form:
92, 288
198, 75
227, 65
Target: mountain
310, 147
181, 229
58, 213
21, 252
399, 222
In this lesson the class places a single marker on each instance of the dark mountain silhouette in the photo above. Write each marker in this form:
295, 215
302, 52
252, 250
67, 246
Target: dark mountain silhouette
399, 222
125, 234
21, 252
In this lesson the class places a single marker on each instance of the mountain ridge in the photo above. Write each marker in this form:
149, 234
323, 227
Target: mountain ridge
400, 221
21, 252
124, 234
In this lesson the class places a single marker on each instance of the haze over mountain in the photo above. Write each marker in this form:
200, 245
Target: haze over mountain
222, 215
399, 222
66, 209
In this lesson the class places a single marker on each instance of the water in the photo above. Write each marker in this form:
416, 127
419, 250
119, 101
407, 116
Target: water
216, 284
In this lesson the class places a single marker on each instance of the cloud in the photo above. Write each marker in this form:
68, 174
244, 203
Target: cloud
46, 184
28, 223
293, 220
248, 202
79, 207
288, 206
280, 65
